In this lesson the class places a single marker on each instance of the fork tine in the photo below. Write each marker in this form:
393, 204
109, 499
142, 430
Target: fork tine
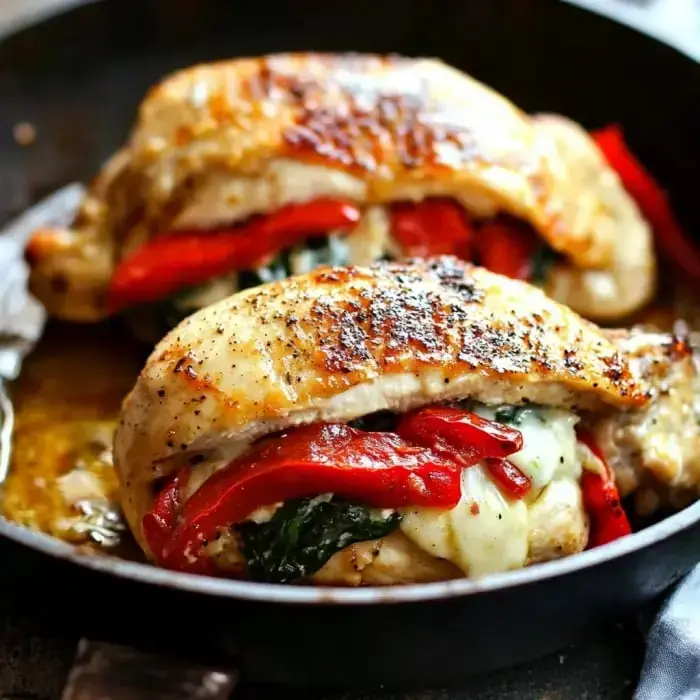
6, 428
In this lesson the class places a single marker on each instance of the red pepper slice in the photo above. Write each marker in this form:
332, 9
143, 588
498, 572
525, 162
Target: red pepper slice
379, 469
386, 470
509, 477
461, 434
653, 202
602, 499
432, 227
157, 524
507, 248
170, 262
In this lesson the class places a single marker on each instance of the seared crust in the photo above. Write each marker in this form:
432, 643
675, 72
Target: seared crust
394, 128
591, 194
389, 121
340, 343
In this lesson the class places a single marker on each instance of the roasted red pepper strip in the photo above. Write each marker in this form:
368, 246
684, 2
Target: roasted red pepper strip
432, 227
602, 500
386, 470
158, 522
379, 469
466, 435
170, 262
459, 433
671, 239
509, 478
507, 248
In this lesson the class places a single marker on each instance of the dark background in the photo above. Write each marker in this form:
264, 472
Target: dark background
79, 81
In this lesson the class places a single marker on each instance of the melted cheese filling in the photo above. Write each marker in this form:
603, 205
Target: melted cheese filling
487, 531
222, 199
549, 444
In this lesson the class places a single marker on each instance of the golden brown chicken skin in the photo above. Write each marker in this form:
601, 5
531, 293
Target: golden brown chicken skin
340, 343
216, 144
344, 344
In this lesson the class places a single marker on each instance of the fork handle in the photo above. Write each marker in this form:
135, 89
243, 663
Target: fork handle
105, 671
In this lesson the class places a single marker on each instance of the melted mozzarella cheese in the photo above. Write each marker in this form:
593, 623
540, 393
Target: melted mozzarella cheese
488, 532
549, 444
223, 199
370, 239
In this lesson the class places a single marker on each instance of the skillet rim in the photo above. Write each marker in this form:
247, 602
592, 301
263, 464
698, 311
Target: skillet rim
632, 15
314, 595
149, 574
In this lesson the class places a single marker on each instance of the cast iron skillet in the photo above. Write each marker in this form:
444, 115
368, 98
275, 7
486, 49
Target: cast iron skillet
78, 79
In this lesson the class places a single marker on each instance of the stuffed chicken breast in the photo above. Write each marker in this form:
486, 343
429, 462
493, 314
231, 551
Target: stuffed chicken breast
391, 424
243, 172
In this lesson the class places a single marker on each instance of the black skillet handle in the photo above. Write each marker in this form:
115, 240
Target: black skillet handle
103, 671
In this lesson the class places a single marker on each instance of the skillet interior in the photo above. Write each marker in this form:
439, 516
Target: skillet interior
78, 78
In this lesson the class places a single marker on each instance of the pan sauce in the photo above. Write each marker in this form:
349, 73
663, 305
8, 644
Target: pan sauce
67, 401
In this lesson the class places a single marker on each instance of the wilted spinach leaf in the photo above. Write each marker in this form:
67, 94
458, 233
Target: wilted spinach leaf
512, 415
542, 260
379, 422
277, 269
305, 533
151, 321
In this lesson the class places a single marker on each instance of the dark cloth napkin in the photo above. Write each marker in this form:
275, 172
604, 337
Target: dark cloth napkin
671, 669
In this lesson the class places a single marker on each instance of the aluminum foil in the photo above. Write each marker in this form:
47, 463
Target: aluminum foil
22, 317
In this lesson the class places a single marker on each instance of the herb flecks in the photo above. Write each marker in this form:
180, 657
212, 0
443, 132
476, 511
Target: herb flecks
512, 415
305, 533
